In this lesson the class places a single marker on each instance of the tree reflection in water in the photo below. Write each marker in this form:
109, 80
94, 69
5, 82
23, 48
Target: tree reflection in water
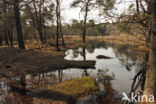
127, 56
104, 80
107, 94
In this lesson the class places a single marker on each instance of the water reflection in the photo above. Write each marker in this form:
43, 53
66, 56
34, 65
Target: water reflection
106, 94
113, 76
124, 64
110, 94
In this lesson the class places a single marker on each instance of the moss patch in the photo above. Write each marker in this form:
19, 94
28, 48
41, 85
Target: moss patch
77, 87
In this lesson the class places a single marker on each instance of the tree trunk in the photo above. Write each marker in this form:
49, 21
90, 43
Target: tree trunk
6, 37
44, 27
4, 23
39, 21
10, 36
18, 25
137, 6
60, 26
45, 34
84, 24
150, 83
1, 38
57, 20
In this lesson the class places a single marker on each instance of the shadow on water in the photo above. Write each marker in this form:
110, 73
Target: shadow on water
113, 76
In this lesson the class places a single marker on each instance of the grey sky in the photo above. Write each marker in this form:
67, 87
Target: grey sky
73, 13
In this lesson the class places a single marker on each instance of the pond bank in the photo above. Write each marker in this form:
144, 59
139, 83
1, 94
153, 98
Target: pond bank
122, 39
17, 62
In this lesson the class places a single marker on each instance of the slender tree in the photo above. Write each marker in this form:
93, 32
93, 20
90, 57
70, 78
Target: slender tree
5, 22
85, 8
18, 25
57, 22
1, 39
137, 6
10, 36
60, 25
38, 19
85, 20
43, 22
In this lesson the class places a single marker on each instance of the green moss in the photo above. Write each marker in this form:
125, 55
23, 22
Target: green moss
77, 87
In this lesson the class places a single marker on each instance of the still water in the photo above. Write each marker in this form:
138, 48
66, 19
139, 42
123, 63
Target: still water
113, 76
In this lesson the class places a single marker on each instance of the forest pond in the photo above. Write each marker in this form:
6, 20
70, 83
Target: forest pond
113, 76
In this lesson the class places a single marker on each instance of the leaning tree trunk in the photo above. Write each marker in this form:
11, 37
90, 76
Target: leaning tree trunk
18, 25
150, 83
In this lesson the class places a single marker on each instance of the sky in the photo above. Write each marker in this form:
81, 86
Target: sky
69, 13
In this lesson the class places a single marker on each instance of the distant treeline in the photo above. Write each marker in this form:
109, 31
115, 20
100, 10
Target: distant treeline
41, 20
